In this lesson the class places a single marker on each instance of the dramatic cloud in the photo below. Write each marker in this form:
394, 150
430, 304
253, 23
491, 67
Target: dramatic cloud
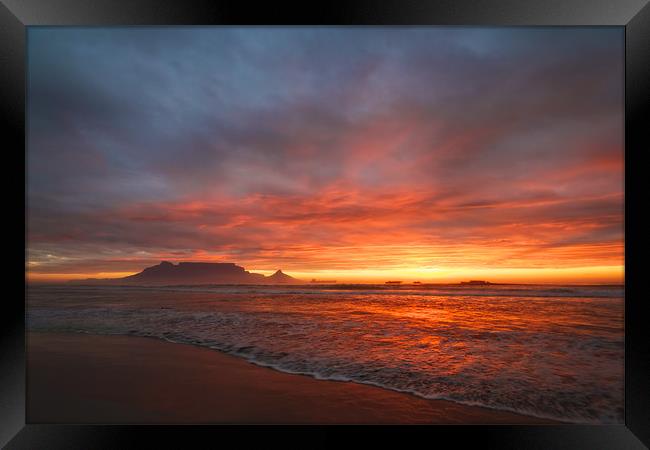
426, 152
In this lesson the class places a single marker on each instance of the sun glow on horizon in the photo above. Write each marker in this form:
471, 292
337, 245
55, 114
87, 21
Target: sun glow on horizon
571, 275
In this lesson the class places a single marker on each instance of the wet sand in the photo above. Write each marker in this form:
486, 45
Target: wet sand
81, 378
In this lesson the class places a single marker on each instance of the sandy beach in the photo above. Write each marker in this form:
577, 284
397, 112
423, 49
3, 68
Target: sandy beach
83, 378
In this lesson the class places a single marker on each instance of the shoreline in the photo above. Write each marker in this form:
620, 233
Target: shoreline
90, 378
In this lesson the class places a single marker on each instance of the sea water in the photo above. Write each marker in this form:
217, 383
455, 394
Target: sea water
548, 351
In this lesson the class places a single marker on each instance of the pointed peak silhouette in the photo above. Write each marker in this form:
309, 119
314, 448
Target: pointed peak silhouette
281, 277
167, 273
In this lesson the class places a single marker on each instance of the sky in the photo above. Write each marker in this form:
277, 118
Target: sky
355, 154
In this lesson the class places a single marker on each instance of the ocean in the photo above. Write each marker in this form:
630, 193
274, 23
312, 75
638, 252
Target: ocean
552, 352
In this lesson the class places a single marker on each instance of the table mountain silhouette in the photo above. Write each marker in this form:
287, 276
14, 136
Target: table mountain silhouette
167, 273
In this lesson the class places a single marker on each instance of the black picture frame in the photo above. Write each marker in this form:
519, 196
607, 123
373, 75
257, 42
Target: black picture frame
633, 15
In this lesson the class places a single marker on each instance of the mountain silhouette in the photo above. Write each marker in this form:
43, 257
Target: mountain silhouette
280, 277
167, 273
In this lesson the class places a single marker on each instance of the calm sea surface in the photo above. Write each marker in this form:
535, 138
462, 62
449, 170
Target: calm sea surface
548, 351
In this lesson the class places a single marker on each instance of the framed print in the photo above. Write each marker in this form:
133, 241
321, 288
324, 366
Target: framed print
406, 221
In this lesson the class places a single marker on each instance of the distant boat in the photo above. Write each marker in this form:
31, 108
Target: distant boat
393, 282
416, 282
314, 280
476, 282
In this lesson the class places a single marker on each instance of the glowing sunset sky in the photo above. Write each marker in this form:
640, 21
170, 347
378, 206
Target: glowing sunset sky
360, 154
